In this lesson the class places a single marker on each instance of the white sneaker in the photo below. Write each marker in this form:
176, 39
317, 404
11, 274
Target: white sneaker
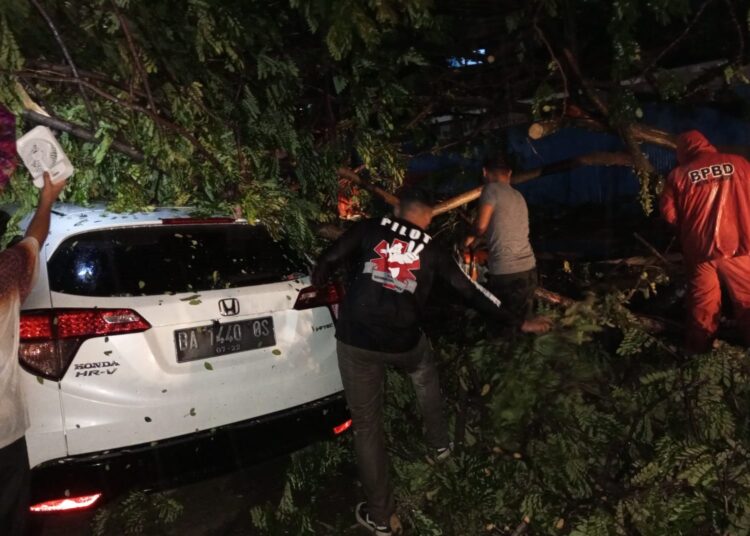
441, 454
363, 518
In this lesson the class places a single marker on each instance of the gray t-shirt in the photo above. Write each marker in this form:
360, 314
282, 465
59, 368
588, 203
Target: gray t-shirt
508, 232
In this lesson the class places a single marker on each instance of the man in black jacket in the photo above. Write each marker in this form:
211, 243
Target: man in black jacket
396, 263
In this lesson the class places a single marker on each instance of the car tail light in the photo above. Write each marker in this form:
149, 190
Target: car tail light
329, 295
51, 338
66, 505
343, 427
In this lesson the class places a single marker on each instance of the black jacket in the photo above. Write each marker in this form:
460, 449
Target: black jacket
395, 264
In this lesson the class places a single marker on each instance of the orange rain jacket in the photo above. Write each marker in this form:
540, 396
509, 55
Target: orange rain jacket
707, 197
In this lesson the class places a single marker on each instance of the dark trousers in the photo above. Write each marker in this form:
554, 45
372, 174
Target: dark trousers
515, 291
363, 375
14, 488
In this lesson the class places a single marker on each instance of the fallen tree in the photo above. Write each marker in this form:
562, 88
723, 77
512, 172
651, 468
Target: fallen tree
643, 133
591, 159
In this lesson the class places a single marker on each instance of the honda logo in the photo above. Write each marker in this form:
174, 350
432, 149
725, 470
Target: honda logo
229, 307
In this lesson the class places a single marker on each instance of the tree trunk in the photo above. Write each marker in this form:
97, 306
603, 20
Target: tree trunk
591, 159
641, 132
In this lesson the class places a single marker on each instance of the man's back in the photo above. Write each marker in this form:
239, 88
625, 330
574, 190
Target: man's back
508, 232
394, 267
392, 276
708, 198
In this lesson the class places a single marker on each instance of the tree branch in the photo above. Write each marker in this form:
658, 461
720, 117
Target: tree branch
80, 132
590, 92
195, 142
566, 90
69, 59
640, 162
45, 67
591, 159
652, 64
643, 133
377, 190
646, 323
136, 59
740, 33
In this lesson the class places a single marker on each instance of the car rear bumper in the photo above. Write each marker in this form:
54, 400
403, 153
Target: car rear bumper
187, 458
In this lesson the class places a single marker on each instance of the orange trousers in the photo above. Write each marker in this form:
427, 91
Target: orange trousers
704, 299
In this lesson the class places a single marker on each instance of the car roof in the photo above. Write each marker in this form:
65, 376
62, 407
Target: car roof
68, 220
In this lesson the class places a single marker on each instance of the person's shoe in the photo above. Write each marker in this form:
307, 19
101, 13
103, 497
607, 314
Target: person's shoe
440, 454
443, 453
363, 518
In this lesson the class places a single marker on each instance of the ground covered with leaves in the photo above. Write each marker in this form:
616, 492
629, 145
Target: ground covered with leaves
583, 431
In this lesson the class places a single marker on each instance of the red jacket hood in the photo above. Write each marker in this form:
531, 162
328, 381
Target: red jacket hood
690, 144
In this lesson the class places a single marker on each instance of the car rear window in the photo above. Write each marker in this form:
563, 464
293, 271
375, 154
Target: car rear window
167, 259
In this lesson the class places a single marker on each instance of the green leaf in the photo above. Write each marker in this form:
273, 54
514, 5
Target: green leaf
340, 83
207, 365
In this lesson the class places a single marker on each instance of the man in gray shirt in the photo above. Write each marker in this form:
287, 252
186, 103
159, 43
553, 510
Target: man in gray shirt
503, 219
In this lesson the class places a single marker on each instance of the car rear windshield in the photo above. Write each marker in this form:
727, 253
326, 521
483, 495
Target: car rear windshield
167, 259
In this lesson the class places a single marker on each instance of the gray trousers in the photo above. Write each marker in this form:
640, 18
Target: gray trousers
363, 375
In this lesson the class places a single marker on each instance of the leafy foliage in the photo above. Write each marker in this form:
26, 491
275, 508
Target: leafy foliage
576, 432
255, 104
138, 513
231, 103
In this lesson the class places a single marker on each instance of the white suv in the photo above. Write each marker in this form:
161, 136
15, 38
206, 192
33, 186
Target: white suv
156, 341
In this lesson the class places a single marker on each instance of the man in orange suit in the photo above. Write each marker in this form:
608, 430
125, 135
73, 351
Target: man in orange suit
707, 199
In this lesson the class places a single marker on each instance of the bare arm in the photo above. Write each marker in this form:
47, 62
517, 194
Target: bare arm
480, 224
39, 226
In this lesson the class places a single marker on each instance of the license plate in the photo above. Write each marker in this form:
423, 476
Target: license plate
221, 339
